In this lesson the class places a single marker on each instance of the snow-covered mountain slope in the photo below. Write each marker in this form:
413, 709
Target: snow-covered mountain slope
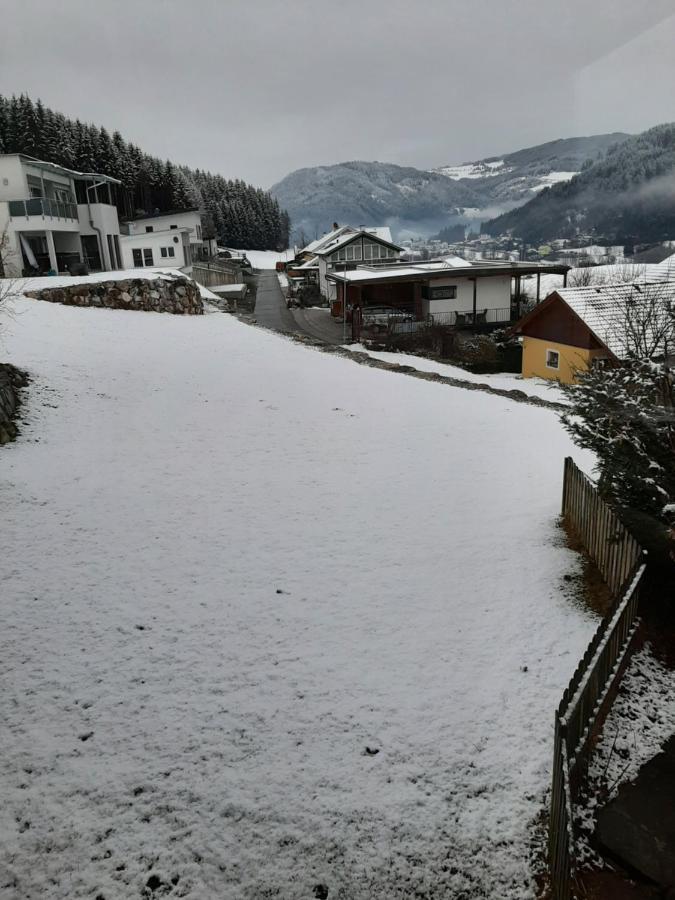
271, 619
516, 177
413, 202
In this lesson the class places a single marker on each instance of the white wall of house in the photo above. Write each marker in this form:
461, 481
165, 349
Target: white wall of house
154, 248
167, 221
493, 292
101, 221
12, 179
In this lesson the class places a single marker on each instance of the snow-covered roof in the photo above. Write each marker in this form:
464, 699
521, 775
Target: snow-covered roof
312, 263
343, 239
383, 232
461, 268
613, 311
73, 173
314, 245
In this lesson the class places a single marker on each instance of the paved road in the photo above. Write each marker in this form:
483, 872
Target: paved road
319, 324
270, 305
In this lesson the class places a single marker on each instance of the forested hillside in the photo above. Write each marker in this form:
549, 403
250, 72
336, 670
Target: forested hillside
372, 193
238, 214
628, 195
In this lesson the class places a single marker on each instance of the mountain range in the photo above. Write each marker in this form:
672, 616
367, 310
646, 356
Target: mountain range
627, 196
419, 202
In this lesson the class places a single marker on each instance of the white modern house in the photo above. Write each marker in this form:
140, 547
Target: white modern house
55, 218
450, 291
172, 238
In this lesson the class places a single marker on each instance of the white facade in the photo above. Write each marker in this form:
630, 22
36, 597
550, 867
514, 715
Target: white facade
55, 218
166, 247
453, 294
190, 221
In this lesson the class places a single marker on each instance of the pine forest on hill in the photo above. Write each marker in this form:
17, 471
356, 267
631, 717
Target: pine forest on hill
238, 214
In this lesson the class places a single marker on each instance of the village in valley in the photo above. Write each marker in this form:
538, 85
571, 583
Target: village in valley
339, 552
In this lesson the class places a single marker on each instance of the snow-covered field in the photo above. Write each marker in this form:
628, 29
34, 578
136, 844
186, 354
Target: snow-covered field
271, 619
535, 387
267, 259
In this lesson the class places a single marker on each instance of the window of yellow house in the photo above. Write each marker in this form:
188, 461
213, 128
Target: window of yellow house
552, 359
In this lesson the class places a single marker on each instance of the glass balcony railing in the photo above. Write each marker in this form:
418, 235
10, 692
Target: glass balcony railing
38, 206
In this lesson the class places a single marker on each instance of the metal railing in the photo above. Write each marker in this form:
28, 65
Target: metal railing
466, 317
587, 699
40, 206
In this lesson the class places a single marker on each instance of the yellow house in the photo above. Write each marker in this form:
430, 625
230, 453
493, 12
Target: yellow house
574, 327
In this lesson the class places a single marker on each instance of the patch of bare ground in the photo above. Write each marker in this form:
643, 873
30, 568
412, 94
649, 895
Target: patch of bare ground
591, 588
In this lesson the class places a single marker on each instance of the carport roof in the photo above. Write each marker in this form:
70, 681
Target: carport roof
431, 270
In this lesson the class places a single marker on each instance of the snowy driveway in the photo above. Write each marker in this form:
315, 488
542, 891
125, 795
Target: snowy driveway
230, 565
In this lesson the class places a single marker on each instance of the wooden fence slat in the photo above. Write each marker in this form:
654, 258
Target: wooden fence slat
620, 559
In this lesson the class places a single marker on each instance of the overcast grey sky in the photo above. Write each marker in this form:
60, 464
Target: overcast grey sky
257, 88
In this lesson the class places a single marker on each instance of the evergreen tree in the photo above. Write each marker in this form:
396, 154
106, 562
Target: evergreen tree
236, 213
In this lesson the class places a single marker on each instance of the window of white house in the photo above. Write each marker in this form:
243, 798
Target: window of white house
149, 228
167, 251
449, 292
147, 256
138, 258
368, 251
173, 226
552, 359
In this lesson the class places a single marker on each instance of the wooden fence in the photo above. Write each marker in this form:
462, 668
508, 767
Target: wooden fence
609, 544
588, 697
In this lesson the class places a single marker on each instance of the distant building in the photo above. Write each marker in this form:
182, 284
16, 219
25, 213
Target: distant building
55, 218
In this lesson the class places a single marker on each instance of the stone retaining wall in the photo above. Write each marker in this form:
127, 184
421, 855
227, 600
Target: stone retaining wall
178, 295
11, 382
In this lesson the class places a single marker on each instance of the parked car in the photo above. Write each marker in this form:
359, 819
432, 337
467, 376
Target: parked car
385, 315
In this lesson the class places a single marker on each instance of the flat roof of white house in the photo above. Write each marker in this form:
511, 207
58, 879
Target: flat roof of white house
54, 167
442, 268
172, 213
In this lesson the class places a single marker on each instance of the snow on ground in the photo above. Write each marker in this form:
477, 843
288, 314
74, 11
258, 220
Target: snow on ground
267, 259
271, 619
640, 722
552, 178
474, 170
59, 281
535, 387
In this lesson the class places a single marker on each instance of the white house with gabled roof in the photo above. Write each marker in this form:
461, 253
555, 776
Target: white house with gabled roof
346, 248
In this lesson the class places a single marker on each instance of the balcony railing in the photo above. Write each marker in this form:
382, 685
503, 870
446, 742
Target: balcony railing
39, 206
